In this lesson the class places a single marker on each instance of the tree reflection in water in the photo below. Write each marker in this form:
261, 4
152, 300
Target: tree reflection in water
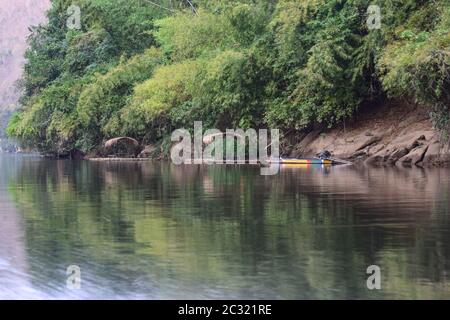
160, 231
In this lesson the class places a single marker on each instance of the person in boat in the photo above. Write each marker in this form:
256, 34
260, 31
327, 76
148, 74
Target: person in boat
325, 154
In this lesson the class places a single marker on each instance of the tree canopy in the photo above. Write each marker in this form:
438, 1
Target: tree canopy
142, 70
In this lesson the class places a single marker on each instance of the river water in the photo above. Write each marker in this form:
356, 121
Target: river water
158, 231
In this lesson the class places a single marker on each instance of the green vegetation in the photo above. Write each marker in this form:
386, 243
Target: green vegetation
137, 69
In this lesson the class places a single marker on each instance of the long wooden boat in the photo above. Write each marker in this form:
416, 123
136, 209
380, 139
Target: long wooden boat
307, 161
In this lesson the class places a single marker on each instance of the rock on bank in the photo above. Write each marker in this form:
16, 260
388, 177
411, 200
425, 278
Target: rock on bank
392, 134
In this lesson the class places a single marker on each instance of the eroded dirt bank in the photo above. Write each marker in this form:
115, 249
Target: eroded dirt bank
392, 134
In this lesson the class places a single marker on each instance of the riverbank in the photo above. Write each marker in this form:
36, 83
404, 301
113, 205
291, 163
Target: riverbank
391, 134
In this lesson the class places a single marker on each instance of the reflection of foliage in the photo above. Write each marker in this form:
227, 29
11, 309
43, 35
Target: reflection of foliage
206, 225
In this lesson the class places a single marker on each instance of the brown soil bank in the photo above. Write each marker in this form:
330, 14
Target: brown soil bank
392, 134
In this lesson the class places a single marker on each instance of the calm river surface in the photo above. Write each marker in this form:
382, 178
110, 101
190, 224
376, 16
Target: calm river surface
158, 231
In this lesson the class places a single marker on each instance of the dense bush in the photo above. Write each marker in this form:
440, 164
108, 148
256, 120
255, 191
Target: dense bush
170, 86
140, 70
101, 102
417, 64
73, 75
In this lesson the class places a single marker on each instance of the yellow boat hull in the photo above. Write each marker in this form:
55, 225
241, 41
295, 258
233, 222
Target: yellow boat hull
312, 161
